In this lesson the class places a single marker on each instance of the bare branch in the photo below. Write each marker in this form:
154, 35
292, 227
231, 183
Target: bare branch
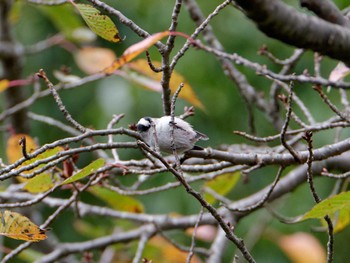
285, 126
59, 102
284, 23
326, 10
193, 241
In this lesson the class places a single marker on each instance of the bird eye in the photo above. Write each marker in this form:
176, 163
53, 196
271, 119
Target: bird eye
142, 128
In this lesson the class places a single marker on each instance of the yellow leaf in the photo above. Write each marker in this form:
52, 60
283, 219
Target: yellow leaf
14, 149
40, 183
302, 248
4, 84
151, 80
117, 201
134, 50
102, 25
44, 155
221, 185
342, 220
14, 152
166, 252
17, 226
92, 60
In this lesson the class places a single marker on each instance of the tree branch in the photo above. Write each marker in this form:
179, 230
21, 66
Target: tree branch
282, 22
326, 10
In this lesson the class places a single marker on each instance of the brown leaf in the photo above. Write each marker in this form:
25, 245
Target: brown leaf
170, 254
17, 226
134, 50
205, 233
302, 248
92, 60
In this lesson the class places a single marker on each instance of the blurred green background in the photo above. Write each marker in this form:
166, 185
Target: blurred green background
94, 104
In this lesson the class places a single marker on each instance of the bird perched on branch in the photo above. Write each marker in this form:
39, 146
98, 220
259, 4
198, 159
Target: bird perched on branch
164, 135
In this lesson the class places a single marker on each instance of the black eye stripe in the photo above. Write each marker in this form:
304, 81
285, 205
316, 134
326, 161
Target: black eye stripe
142, 128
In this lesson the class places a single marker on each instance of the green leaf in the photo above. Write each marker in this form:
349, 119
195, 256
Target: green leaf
66, 26
40, 183
117, 201
87, 170
91, 230
342, 220
221, 185
102, 25
329, 206
30, 255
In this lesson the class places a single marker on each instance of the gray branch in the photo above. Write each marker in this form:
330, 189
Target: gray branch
282, 22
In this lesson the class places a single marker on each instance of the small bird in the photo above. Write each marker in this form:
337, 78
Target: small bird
157, 132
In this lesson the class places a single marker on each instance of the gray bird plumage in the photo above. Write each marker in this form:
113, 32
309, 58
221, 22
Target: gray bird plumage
158, 132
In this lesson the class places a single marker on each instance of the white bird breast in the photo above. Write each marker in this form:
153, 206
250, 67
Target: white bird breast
161, 133
184, 135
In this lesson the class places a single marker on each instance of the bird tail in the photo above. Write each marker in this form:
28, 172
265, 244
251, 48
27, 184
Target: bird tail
197, 148
201, 136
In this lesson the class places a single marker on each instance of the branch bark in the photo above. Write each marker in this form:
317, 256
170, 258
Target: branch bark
284, 23
271, 158
326, 10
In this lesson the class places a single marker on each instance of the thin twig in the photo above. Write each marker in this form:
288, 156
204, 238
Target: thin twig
141, 246
69, 140
342, 115
193, 240
173, 146
180, 247
150, 64
198, 30
31, 202
60, 104
336, 176
285, 126
23, 144
24, 104
264, 71
265, 198
217, 196
115, 119
125, 20
217, 248
330, 243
